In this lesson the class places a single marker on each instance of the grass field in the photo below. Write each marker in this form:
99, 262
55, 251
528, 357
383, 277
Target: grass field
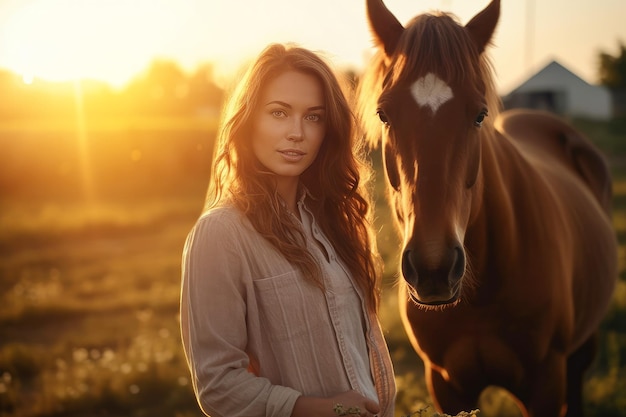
92, 224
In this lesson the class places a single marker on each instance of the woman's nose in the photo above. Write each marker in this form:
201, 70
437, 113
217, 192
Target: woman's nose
296, 134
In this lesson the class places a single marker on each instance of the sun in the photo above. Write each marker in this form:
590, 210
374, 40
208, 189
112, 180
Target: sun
61, 40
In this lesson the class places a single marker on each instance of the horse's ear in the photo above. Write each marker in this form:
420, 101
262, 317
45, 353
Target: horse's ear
482, 26
384, 25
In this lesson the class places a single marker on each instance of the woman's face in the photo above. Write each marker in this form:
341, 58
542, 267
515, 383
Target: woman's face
289, 124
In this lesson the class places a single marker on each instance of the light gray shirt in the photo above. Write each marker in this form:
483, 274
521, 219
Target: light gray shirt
257, 334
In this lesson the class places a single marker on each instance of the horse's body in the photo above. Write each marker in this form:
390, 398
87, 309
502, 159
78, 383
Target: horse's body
509, 255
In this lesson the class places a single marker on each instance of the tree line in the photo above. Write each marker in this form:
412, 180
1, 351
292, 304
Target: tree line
162, 89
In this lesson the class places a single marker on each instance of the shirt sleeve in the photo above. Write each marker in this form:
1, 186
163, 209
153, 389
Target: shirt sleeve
213, 327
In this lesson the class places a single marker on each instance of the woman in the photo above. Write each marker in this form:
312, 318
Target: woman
280, 277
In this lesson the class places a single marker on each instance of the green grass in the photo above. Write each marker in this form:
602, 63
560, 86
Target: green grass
89, 326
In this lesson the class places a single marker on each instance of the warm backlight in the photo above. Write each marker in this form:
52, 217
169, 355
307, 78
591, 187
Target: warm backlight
61, 40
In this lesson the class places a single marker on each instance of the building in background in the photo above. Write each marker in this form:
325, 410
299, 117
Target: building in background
559, 90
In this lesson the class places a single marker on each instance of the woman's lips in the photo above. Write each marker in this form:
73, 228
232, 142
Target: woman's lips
292, 155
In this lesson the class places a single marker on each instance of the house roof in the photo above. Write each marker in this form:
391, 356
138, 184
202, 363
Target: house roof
553, 76
563, 92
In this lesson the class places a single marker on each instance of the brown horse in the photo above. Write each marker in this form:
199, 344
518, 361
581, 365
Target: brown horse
509, 255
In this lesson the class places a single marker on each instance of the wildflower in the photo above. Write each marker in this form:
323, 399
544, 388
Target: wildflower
341, 411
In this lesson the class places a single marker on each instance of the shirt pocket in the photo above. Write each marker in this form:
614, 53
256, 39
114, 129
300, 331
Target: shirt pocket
292, 309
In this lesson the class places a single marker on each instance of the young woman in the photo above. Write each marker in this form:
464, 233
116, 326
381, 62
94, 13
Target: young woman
280, 273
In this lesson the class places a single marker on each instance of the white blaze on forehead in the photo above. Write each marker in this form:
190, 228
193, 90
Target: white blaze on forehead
430, 91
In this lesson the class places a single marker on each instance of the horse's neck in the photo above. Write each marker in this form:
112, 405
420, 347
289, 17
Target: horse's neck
495, 219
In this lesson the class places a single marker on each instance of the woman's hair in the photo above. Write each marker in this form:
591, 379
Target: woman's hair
336, 180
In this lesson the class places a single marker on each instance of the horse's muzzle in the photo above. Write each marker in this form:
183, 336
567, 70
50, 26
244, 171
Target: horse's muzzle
434, 286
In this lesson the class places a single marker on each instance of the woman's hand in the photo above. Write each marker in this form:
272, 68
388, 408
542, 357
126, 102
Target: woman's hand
350, 403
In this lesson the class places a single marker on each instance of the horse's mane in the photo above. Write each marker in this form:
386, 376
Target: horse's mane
430, 43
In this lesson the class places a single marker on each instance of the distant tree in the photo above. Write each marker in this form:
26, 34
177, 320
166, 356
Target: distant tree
161, 89
203, 92
612, 69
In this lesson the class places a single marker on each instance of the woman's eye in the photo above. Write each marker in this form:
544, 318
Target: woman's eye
278, 113
480, 118
383, 117
313, 117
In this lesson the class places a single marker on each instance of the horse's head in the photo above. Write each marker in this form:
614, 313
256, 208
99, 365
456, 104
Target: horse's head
430, 90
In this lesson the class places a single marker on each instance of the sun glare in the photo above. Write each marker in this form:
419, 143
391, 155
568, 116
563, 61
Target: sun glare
62, 40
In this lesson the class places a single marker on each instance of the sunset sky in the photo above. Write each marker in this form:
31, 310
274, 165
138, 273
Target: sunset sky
114, 39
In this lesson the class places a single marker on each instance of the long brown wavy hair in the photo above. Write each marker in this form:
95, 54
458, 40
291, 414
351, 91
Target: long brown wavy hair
337, 181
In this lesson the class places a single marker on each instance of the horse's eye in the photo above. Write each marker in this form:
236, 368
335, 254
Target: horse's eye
383, 117
480, 118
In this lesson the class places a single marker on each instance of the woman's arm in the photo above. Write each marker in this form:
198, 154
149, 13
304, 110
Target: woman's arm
213, 327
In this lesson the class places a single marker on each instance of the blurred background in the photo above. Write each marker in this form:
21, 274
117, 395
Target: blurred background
108, 111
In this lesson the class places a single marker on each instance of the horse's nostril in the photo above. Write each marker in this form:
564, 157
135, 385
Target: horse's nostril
458, 265
408, 267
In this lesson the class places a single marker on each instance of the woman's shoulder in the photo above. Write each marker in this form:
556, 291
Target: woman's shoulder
223, 218
219, 228
226, 212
